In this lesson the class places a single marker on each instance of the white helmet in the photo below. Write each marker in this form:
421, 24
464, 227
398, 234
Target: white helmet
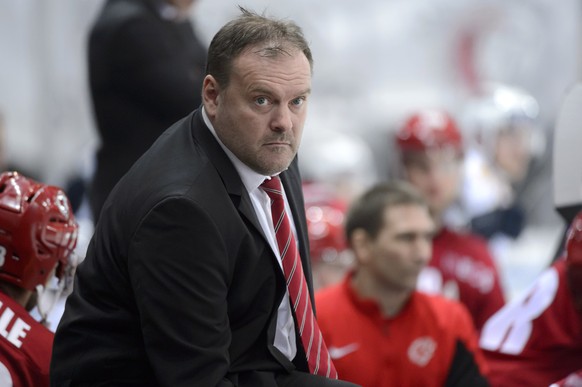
340, 160
503, 110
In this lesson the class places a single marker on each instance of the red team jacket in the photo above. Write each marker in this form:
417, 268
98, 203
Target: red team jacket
25, 347
419, 347
463, 269
536, 339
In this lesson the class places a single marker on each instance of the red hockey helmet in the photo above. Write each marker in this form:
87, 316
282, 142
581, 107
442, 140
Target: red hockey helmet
325, 215
429, 129
38, 231
574, 259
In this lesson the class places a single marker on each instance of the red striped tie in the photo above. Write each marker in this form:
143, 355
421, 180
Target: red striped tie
317, 355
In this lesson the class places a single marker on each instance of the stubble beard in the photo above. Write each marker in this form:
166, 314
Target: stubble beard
269, 167
267, 162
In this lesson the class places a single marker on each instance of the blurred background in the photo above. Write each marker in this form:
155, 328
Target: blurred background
376, 61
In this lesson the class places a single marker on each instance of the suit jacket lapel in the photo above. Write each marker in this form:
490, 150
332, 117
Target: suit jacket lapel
226, 170
240, 196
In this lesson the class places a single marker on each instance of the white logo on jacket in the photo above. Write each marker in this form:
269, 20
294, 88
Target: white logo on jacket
422, 350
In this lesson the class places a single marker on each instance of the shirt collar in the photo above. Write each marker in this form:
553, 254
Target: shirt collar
251, 179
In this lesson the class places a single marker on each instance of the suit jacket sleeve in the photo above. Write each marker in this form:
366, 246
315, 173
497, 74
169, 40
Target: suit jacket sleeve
180, 277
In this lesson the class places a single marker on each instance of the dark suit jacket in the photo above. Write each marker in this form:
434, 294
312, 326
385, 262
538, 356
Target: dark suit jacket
145, 73
179, 286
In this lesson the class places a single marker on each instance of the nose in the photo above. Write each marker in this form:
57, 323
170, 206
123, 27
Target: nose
281, 121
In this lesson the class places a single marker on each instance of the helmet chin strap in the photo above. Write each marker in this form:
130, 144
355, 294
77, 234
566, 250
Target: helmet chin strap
49, 294
47, 297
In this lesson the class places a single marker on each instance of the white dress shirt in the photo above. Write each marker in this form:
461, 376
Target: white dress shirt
285, 334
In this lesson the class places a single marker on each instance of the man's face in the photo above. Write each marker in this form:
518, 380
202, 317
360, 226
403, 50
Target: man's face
513, 152
402, 248
437, 174
260, 115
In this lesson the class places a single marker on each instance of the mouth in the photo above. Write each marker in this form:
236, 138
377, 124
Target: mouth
277, 143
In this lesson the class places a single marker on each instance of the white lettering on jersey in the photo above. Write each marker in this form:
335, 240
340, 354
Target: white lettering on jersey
18, 330
421, 350
466, 269
509, 330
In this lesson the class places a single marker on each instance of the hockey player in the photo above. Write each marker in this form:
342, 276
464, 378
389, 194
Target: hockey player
503, 136
536, 339
37, 234
462, 267
379, 329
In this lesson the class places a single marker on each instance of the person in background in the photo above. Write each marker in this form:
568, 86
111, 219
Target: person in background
536, 339
198, 273
38, 233
325, 212
380, 330
430, 151
503, 139
146, 67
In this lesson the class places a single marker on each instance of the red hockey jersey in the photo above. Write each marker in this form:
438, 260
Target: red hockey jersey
536, 339
463, 269
25, 347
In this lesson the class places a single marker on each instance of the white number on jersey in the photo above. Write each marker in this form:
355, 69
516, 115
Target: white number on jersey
509, 330
5, 378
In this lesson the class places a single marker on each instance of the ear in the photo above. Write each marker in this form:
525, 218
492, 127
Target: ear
361, 245
210, 95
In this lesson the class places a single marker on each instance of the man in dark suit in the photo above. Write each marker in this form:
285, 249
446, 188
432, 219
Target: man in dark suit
146, 67
184, 283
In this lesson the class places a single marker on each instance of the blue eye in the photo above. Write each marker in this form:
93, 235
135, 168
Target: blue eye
298, 101
261, 101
